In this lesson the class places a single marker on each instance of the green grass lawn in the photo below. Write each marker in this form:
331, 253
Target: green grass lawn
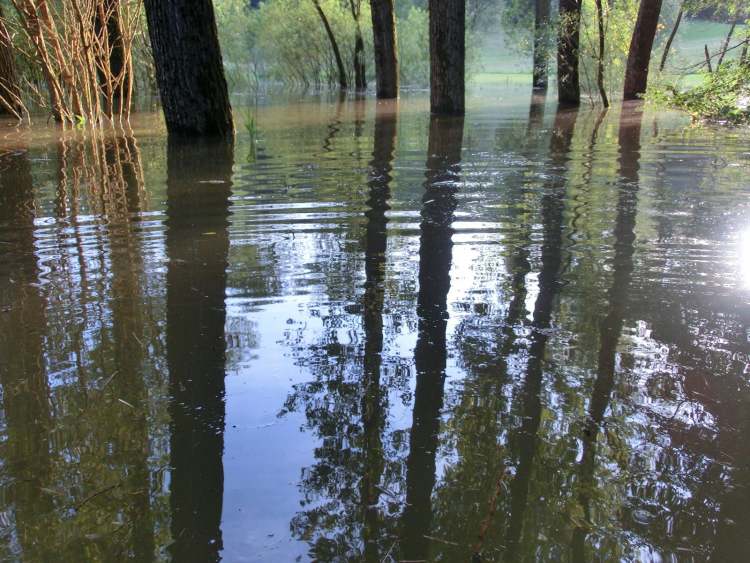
502, 64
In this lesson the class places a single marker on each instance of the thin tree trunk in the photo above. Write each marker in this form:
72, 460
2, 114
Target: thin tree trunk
360, 76
189, 67
108, 19
447, 56
568, 80
10, 92
386, 53
541, 52
672, 35
334, 46
726, 44
639, 58
600, 62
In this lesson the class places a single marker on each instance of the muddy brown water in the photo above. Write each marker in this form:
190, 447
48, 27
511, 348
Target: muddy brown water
365, 334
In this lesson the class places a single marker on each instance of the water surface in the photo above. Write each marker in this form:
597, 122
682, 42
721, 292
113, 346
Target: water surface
367, 334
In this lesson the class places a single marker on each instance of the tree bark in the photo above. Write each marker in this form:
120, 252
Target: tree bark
447, 56
386, 54
672, 35
334, 46
541, 52
189, 67
636, 72
10, 92
568, 80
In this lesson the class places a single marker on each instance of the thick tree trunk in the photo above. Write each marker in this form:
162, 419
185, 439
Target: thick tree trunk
360, 76
568, 84
541, 51
334, 46
636, 72
672, 35
10, 93
189, 68
386, 54
447, 56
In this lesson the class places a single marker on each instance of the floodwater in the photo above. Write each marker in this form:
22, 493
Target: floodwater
362, 334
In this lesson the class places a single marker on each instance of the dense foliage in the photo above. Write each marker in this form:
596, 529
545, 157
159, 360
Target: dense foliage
724, 95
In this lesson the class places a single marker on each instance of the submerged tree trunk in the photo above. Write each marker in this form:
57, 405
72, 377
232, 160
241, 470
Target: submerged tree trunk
568, 80
636, 72
386, 54
189, 68
10, 92
672, 35
600, 62
360, 76
334, 46
447, 56
541, 51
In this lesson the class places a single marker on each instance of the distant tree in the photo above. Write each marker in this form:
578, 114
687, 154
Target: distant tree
360, 76
600, 54
189, 68
385, 47
447, 56
541, 51
639, 58
343, 84
10, 93
568, 80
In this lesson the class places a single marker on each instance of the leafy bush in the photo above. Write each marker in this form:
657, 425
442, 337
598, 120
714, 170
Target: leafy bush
414, 48
724, 95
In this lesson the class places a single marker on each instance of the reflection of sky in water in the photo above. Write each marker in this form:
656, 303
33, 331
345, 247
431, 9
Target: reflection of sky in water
294, 306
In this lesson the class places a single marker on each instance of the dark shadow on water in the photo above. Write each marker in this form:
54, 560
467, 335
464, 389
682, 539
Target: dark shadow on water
430, 354
197, 243
526, 437
374, 401
629, 143
26, 393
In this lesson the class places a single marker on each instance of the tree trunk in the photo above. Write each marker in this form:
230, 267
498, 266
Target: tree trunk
541, 53
386, 54
10, 92
568, 82
189, 68
636, 72
360, 76
600, 62
107, 24
447, 56
672, 35
334, 46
